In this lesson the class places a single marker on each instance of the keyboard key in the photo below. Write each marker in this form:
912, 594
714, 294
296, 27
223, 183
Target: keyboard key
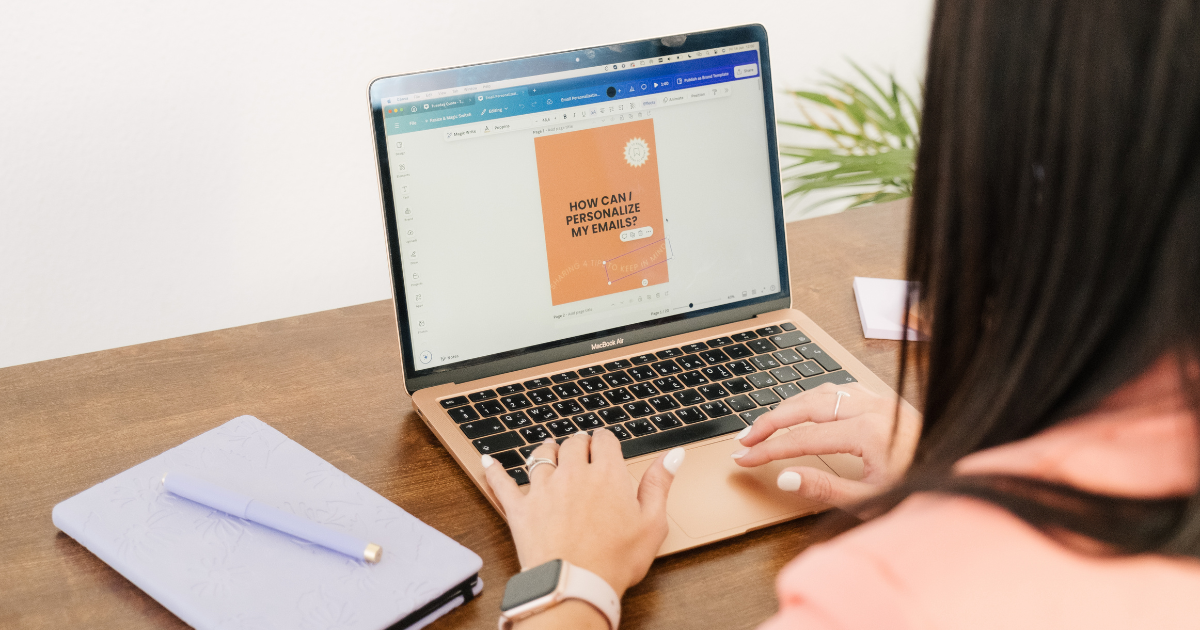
841, 377
613, 415
716, 373
535, 434
480, 428
668, 384
809, 368
617, 365
643, 390
784, 374
750, 416
744, 336
719, 341
542, 396
526, 451
537, 382
691, 415
516, 401
713, 357
768, 331
689, 397
567, 408
617, 379
788, 356
813, 351
588, 421
759, 346
715, 409
621, 432
738, 351
593, 401
764, 397
592, 385
519, 475
761, 380
694, 347
516, 420
483, 395
666, 367
740, 403
497, 443
681, 436
567, 390
669, 353
642, 373
738, 386
765, 362
463, 414
692, 379
563, 377
457, 401
788, 326
692, 362
642, 359
637, 409
591, 371
541, 414
787, 390
663, 403
787, 340
665, 421
640, 428
509, 390
618, 396
713, 392
509, 459
489, 408
561, 427
740, 368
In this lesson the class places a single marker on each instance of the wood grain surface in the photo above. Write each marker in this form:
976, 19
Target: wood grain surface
332, 382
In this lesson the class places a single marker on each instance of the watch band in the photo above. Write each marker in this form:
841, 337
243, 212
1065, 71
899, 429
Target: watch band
593, 589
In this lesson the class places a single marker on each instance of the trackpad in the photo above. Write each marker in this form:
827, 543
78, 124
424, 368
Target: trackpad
712, 494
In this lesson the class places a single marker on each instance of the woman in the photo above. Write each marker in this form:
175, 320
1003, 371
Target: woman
1056, 235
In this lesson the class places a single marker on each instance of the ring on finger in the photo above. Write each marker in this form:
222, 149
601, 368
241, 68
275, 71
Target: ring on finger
530, 464
838, 404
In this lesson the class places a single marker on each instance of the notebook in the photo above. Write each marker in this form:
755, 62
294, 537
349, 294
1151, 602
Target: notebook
215, 571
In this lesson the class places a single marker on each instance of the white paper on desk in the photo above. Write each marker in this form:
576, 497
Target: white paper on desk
215, 571
881, 307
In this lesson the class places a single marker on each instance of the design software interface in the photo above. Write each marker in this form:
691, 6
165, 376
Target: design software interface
538, 209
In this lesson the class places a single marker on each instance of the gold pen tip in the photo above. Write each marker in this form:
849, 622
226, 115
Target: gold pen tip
372, 553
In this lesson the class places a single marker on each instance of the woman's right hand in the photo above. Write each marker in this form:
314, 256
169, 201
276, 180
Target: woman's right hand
862, 427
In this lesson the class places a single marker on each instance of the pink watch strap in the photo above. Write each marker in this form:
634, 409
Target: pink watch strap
587, 586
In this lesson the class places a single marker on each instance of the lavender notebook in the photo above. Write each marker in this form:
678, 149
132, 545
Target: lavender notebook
215, 571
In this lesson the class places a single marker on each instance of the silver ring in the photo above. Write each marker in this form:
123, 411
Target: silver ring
838, 405
534, 463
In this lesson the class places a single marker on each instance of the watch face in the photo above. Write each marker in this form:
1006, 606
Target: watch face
529, 585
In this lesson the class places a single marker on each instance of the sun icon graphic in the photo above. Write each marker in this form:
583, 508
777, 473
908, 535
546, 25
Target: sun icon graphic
636, 152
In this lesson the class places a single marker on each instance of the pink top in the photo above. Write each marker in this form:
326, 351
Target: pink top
943, 562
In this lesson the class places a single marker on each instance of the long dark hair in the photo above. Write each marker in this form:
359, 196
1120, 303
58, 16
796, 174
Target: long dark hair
1055, 233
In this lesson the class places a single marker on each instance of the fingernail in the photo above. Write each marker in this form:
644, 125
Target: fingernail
674, 460
486, 460
548, 441
743, 433
740, 453
788, 481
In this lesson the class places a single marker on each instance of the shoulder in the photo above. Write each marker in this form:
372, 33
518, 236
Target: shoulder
948, 562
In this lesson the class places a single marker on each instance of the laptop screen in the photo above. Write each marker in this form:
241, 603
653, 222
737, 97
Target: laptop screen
562, 205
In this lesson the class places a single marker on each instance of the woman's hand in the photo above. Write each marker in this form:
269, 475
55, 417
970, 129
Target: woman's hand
587, 510
862, 427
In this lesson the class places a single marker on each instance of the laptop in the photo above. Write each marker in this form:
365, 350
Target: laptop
593, 240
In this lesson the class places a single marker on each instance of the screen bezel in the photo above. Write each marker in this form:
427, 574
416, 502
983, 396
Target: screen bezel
531, 356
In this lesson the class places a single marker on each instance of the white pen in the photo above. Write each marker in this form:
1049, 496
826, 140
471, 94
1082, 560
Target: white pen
241, 506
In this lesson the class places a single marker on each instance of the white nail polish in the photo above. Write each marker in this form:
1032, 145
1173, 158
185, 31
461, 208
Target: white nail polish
487, 461
743, 433
788, 481
674, 460
740, 453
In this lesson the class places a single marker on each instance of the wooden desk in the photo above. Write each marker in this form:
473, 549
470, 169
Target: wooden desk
331, 381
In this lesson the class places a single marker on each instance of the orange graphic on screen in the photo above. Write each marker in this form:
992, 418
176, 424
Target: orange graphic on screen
602, 211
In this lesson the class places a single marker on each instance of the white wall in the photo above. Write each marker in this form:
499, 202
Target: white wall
168, 168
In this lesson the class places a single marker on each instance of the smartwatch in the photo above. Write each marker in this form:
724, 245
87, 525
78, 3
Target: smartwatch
546, 585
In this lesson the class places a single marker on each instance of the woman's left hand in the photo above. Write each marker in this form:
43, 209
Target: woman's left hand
586, 510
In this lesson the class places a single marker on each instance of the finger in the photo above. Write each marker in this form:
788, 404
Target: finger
503, 485
822, 487
656, 483
548, 449
606, 448
815, 405
809, 439
574, 450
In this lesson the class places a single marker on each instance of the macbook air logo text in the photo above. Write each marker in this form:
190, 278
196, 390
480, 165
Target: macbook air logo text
607, 344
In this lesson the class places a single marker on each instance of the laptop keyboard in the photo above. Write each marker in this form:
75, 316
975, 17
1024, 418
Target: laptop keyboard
651, 402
